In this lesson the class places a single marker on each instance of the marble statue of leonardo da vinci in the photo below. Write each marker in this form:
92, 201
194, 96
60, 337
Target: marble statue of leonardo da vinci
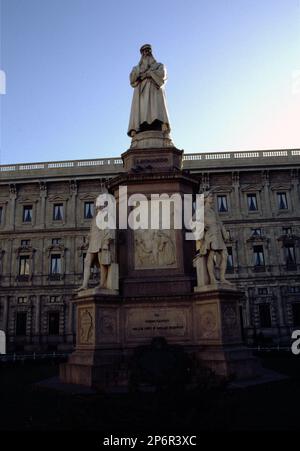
149, 108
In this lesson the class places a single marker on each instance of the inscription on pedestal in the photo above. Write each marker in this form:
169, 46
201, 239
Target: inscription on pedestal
153, 322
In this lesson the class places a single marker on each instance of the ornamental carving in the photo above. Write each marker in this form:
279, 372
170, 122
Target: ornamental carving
208, 324
154, 249
86, 326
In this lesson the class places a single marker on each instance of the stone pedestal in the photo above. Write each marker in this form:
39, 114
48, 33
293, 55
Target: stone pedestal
156, 297
218, 331
109, 328
151, 139
97, 338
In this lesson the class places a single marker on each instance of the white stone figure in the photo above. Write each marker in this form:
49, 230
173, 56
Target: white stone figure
100, 253
2, 342
149, 108
211, 247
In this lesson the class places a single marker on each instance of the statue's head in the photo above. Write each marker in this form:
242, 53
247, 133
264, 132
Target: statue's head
146, 50
208, 198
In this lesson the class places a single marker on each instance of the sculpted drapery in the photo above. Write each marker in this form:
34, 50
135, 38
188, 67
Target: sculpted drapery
149, 108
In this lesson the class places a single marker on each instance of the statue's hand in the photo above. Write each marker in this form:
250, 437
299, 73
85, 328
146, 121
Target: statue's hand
145, 75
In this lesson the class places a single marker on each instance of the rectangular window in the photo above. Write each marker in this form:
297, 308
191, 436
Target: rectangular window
287, 231
252, 202
55, 264
290, 255
25, 243
54, 299
256, 232
259, 258
296, 313
265, 315
293, 289
56, 241
282, 201
24, 265
27, 213
262, 291
229, 259
88, 210
58, 212
222, 204
53, 323
1, 215
21, 323
22, 300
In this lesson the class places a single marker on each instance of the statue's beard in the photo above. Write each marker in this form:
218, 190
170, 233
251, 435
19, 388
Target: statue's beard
146, 62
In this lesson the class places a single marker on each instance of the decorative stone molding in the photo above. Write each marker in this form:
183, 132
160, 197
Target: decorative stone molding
251, 188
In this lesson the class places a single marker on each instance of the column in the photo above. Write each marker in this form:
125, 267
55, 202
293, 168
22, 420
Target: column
266, 195
237, 202
5, 313
69, 330
37, 319
43, 197
72, 205
295, 190
12, 206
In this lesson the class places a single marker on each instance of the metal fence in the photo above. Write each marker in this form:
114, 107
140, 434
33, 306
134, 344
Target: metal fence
59, 355
32, 357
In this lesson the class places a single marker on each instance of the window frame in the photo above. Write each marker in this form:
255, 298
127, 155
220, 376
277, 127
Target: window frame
268, 323
60, 207
286, 202
57, 329
91, 210
24, 324
26, 259
250, 196
226, 206
263, 264
56, 257
30, 209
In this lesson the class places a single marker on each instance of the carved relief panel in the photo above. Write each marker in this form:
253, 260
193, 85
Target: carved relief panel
154, 249
86, 326
107, 326
208, 322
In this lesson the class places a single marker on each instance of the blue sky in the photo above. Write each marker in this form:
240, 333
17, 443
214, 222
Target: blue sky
233, 68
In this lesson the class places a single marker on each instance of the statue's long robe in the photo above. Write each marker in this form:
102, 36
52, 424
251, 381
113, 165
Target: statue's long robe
149, 100
214, 233
99, 242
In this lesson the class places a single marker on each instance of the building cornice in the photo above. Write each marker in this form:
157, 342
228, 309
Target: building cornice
110, 167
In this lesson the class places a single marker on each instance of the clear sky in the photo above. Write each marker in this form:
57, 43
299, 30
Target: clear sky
233, 65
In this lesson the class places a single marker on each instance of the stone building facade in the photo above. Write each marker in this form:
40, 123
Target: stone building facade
45, 215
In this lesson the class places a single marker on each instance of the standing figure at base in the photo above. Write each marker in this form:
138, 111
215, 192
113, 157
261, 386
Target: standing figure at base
212, 243
98, 253
149, 106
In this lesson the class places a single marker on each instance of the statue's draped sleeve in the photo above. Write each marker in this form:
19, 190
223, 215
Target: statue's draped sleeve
134, 75
159, 75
